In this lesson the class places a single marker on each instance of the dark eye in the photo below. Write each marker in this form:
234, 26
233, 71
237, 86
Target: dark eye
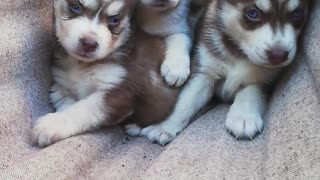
113, 21
75, 8
298, 14
253, 14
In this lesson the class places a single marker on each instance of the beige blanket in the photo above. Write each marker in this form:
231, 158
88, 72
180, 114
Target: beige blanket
289, 147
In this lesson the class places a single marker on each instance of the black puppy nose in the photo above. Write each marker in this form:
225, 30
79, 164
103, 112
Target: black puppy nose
277, 55
89, 44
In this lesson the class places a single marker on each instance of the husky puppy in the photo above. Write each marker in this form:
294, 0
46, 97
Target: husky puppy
169, 19
242, 47
106, 71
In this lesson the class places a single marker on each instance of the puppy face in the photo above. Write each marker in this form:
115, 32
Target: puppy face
266, 31
160, 5
90, 30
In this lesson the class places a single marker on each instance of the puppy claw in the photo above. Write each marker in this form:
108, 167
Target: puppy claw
259, 129
243, 125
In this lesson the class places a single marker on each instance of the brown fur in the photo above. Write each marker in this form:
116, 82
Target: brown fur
144, 102
118, 81
137, 98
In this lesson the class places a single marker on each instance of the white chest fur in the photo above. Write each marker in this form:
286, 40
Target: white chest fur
82, 80
233, 73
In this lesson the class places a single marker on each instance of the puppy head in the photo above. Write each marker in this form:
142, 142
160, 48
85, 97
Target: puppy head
90, 30
266, 31
160, 5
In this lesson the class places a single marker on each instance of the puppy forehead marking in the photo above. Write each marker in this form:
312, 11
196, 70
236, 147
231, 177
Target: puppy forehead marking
264, 5
114, 8
293, 4
92, 4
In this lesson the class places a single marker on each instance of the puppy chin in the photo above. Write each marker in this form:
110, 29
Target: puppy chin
267, 64
272, 66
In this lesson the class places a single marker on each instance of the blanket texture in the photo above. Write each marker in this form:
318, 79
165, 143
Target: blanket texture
289, 147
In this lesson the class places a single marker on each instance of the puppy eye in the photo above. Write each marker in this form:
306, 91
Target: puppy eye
75, 8
298, 14
253, 14
113, 21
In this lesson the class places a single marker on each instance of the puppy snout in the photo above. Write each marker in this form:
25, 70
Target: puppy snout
89, 44
277, 55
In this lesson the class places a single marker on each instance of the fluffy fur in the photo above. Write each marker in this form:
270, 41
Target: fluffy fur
242, 47
169, 19
106, 71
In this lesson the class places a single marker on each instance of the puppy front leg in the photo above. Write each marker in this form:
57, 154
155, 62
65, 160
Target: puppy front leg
195, 95
176, 66
244, 119
81, 117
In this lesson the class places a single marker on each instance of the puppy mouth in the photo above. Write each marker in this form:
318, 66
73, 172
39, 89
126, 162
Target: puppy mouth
270, 65
82, 54
86, 54
273, 66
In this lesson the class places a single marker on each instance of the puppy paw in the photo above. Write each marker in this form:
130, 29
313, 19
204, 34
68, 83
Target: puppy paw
49, 129
176, 69
244, 125
132, 129
160, 134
